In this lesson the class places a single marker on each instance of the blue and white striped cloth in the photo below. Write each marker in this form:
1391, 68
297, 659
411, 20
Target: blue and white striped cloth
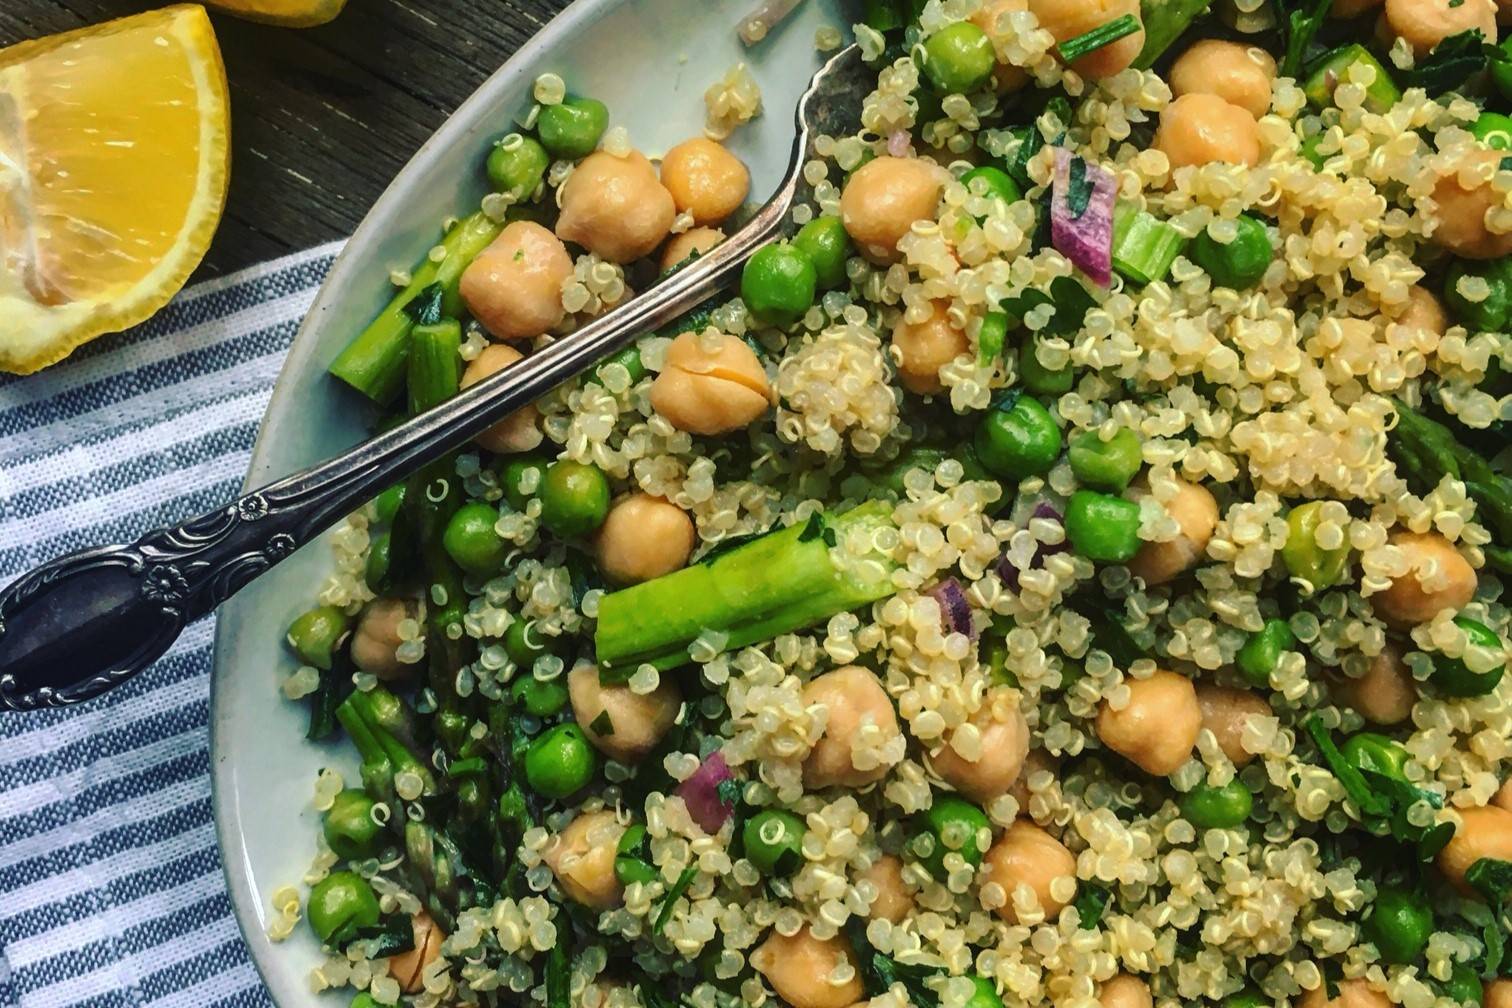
111, 891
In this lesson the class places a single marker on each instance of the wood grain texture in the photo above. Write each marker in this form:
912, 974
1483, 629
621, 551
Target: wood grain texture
323, 118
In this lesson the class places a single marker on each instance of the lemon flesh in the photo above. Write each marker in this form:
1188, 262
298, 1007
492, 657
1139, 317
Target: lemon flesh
288, 13
114, 157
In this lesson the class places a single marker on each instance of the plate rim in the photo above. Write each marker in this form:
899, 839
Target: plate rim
471, 114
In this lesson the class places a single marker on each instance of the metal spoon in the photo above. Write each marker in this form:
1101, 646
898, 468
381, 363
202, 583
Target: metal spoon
87, 622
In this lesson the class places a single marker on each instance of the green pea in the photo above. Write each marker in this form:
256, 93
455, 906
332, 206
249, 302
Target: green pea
1039, 379
1102, 527
521, 479
773, 841
540, 697
1210, 807
778, 284
365, 1000
632, 857
1258, 658
1375, 752
314, 635
1239, 264
572, 129
1106, 465
560, 762
958, 58
379, 558
1304, 558
339, 905
1494, 130
574, 498
984, 994
516, 166
1018, 439
387, 504
628, 358
951, 824
349, 827
524, 642
1494, 311
1399, 924
1454, 678
473, 542
986, 180
1247, 998
1464, 986
828, 248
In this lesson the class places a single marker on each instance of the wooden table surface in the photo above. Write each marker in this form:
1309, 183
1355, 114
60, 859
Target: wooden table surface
323, 118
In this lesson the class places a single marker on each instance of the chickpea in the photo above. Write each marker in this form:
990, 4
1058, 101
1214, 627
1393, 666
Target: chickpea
1197, 129
639, 720
860, 717
989, 18
1483, 832
377, 637
1423, 311
1451, 580
1158, 727
894, 896
514, 287
884, 197
1066, 19
1239, 74
710, 384
1503, 797
1462, 211
1196, 512
925, 347
1004, 745
1426, 23
1385, 694
582, 859
644, 537
1125, 991
1352, 994
408, 968
1036, 761
799, 967
1225, 712
1027, 856
521, 430
615, 207
1498, 994
695, 240
705, 180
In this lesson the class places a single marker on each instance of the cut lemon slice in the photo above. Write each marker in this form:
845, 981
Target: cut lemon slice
288, 13
114, 154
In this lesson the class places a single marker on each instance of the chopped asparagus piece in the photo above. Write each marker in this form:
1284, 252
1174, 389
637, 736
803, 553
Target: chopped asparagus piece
1380, 95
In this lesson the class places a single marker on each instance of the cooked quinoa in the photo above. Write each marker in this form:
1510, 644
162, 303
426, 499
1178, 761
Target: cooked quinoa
1111, 644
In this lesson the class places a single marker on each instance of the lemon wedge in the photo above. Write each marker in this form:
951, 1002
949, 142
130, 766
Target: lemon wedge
288, 13
114, 156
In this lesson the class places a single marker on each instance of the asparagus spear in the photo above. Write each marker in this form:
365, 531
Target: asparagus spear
384, 755
1164, 21
779, 582
373, 363
1425, 451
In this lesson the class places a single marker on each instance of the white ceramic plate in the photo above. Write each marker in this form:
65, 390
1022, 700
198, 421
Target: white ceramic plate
651, 61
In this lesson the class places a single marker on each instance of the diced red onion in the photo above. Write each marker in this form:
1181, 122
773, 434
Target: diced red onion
1086, 240
701, 793
899, 143
955, 611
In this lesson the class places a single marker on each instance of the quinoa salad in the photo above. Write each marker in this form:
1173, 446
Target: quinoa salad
1070, 570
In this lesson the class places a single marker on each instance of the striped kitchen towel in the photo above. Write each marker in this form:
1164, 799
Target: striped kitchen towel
110, 882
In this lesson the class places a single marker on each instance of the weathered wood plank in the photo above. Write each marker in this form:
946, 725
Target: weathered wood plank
323, 119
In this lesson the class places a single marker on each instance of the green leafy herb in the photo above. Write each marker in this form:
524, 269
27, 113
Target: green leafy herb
673, 895
425, 307
1299, 27
1075, 48
1492, 878
879, 972
1108, 634
559, 973
391, 936
1078, 187
728, 791
603, 724
1090, 904
1355, 786
1452, 62
812, 529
